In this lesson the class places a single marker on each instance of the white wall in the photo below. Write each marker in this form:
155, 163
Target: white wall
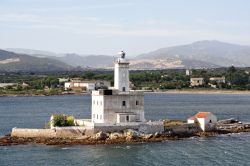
112, 104
190, 121
97, 109
205, 121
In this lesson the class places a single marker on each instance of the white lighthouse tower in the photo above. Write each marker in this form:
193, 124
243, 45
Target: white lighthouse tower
121, 73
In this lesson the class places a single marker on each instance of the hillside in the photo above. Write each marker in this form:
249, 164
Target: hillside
214, 53
13, 62
93, 61
201, 54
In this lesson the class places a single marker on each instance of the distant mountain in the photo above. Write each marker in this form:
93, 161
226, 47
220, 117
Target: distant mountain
93, 61
13, 62
203, 54
36, 53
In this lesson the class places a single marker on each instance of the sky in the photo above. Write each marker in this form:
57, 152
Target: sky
108, 26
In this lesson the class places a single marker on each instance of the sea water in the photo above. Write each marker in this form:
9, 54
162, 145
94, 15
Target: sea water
34, 112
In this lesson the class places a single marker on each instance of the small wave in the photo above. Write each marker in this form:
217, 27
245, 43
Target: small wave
65, 148
128, 147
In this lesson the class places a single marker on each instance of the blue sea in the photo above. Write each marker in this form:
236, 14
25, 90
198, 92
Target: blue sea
34, 112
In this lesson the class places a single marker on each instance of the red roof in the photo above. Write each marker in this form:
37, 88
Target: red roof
199, 115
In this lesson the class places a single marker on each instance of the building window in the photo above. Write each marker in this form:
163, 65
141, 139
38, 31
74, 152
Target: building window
93, 116
100, 102
97, 116
93, 102
136, 102
100, 116
123, 103
96, 102
123, 89
127, 118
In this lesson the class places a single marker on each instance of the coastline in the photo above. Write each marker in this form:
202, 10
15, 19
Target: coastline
202, 91
9, 140
37, 95
174, 91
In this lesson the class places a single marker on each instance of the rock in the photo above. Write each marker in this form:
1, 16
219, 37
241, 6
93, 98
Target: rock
101, 136
115, 135
129, 138
157, 135
132, 133
148, 136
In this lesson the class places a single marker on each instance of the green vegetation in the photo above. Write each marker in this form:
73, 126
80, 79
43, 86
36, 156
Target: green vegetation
61, 120
48, 83
173, 122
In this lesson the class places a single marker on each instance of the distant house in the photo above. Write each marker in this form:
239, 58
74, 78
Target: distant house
6, 85
218, 79
204, 119
216, 82
196, 81
188, 72
63, 80
79, 86
24, 85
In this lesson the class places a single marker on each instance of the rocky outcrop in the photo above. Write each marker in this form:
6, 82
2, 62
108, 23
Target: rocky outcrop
39, 136
101, 136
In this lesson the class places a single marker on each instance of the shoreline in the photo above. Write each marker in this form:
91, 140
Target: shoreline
174, 91
37, 95
202, 91
11, 141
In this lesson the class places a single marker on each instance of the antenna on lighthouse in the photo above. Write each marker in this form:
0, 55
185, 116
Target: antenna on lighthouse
122, 54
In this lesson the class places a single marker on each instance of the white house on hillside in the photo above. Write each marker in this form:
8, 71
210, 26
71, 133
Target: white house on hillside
204, 119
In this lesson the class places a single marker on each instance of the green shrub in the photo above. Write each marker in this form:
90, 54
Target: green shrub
61, 120
70, 120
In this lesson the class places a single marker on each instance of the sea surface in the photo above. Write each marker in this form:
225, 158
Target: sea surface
34, 112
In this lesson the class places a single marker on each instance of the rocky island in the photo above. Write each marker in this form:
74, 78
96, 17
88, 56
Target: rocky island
117, 116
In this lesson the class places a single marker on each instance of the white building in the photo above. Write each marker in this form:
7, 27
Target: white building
118, 104
218, 79
196, 81
204, 119
188, 72
5, 85
76, 85
63, 80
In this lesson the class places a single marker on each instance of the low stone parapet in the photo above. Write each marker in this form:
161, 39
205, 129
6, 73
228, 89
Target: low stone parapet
31, 133
57, 132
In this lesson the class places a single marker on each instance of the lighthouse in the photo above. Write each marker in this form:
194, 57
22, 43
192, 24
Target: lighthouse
118, 104
121, 73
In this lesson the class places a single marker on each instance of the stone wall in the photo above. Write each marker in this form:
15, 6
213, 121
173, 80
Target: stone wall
79, 131
62, 132
183, 129
47, 133
147, 128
